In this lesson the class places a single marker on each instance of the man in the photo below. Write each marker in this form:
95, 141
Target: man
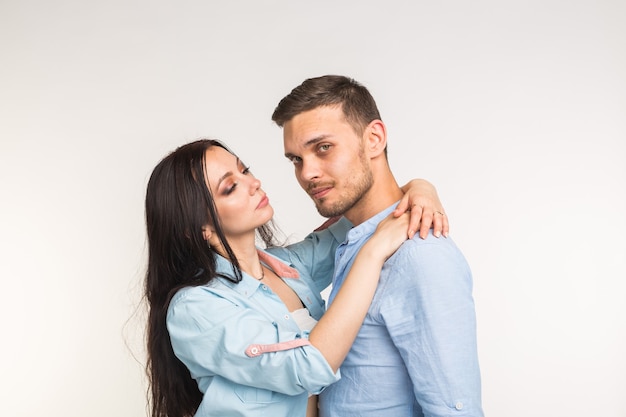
416, 353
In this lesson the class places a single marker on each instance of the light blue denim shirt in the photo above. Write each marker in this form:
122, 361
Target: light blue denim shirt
415, 354
212, 327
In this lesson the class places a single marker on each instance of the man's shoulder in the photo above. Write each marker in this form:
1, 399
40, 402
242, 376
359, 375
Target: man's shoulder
418, 251
425, 264
417, 243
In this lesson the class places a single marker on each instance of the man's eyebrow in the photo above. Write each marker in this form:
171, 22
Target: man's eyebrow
309, 143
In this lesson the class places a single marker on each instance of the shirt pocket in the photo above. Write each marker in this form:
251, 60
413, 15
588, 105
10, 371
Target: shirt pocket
251, 395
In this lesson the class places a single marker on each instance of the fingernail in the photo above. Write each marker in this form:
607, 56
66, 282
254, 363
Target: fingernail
437, 234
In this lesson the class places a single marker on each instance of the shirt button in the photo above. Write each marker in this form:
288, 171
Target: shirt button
286, 316
458, 406
254, 351
264, 287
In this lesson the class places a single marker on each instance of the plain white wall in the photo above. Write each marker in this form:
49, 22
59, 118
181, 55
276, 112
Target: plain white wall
515, 110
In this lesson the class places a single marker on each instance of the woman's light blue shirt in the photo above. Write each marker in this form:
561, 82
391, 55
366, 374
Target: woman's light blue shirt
211, 327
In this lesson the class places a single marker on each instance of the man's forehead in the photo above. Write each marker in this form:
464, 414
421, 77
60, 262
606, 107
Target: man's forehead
313, 124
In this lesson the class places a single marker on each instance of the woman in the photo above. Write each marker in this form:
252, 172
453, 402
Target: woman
232, 329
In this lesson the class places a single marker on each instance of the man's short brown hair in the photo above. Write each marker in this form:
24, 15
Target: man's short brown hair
357, 104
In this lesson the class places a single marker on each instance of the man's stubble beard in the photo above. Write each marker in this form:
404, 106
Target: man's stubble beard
353, 192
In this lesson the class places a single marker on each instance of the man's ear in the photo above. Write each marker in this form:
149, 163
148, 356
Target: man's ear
376, 138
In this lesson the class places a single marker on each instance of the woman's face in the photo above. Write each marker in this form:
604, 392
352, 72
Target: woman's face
241, 204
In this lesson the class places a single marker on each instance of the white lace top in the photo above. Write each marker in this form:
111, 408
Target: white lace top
303, 319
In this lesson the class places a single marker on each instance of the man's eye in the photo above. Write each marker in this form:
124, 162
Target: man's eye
246, 171
294, 159
324, 148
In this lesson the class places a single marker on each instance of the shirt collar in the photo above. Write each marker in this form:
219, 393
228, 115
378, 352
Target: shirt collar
281, 269
248, 283
368, 227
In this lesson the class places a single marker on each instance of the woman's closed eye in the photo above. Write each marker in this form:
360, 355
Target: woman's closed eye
229, 189
245, 170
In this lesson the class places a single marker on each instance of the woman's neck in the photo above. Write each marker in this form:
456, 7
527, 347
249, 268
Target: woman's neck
246, 253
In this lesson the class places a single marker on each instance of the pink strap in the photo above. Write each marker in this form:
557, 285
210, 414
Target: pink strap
280, 268
258, 350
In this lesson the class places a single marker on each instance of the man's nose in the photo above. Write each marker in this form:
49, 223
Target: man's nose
310, 169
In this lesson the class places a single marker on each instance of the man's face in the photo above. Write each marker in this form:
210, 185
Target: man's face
329, 157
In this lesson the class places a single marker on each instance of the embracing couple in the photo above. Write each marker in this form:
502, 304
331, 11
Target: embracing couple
235, 329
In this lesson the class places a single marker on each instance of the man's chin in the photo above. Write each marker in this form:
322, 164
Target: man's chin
328, 212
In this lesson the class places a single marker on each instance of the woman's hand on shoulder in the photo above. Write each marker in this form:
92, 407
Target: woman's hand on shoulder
421, 200
389, 235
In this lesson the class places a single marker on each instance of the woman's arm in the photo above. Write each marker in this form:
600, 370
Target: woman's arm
311, 407
335, 332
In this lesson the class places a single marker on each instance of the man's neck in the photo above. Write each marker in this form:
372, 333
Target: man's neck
383, 193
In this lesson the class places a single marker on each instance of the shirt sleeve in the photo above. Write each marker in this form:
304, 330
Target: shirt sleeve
210, 334
429, 311
315, 254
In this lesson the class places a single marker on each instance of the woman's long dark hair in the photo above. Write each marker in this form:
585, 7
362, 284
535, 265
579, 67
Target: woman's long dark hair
178, 205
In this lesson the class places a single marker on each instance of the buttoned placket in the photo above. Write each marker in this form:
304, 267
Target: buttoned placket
286, 318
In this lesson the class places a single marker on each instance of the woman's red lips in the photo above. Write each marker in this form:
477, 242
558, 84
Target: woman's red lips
264, 202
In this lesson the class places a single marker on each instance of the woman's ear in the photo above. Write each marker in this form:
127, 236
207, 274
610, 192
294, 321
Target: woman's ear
376, 138
207, 232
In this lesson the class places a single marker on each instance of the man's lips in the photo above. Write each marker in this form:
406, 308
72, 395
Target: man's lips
319, 192
264, 202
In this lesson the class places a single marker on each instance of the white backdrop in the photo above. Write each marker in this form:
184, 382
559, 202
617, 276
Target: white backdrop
515, 110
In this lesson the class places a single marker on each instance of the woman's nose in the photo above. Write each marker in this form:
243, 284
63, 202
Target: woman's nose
255, 185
